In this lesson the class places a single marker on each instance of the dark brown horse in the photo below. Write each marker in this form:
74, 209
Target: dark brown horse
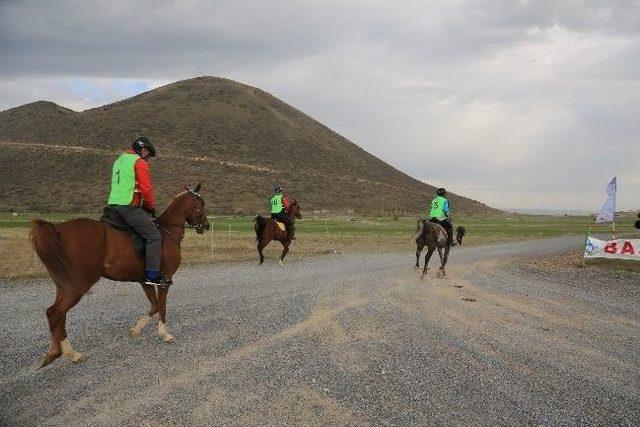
267, 229
434, 236
78, 252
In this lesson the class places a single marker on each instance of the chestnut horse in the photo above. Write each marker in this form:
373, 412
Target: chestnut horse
267, 230
78, 252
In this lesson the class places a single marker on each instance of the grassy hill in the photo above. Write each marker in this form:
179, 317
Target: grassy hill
237, 140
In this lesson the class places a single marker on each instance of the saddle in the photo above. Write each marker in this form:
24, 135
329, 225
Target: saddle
112, 218
281, 225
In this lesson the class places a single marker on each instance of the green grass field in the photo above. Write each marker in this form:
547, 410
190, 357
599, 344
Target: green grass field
525, 226
232, 238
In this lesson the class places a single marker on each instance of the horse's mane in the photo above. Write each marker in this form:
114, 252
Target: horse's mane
175, 199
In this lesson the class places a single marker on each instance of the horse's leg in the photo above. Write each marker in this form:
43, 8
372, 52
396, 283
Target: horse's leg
444, 260
142, 322
57, 316
440, 270
163, 331
284, 250
261, 245
418, 251
427, 257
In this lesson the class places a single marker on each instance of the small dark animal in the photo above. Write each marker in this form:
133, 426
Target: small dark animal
460, 232
267, 229
434, 236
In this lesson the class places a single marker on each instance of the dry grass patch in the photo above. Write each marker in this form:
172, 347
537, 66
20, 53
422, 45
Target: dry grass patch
19, 259
575, 260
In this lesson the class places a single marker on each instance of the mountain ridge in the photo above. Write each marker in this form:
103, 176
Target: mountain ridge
237, 139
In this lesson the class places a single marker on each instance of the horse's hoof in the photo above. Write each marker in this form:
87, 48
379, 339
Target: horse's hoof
168, 338
78, 358
281, 264
133, 332
43, 361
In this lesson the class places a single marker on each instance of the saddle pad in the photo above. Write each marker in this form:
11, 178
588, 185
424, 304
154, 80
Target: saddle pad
282, 226
113, 219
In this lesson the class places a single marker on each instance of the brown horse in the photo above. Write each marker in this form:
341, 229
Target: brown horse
267, 229
78, 252
434, 237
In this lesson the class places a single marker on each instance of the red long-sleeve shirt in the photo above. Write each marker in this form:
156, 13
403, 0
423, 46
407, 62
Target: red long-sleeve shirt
143, 193
286, 203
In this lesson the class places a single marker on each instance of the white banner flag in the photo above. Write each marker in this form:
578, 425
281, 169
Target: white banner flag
609, 209
621, 248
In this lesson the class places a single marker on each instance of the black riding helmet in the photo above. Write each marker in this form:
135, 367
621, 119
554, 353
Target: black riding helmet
142, 142
441, 192
278, 189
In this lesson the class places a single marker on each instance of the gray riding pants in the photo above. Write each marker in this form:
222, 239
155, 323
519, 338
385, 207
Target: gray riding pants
141, 221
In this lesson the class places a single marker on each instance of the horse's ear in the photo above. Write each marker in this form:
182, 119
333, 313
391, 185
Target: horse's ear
197, 189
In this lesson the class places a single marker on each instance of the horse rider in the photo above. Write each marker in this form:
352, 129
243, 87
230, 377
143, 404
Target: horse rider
441, 214
279, 207
132, 197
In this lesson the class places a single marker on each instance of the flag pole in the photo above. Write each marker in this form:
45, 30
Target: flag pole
613, 229
586, 240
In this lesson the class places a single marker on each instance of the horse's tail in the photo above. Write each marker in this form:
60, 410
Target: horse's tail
46, 241
419, 230
259, 226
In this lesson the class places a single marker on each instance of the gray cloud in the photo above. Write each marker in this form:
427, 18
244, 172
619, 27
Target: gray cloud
515, 103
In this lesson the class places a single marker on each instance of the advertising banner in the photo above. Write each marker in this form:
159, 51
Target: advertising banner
620, 248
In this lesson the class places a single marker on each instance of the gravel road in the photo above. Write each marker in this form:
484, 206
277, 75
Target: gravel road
335, 340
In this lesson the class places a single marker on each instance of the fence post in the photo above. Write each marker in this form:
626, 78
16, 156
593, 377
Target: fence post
211, 233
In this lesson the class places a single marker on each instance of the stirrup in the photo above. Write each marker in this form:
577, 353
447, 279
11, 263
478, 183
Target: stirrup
157, 281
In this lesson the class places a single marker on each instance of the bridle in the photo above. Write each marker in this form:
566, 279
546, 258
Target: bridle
199, 226
289, 211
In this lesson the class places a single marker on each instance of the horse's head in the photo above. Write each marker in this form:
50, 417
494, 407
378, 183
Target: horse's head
460, 232
294, 210
196, 215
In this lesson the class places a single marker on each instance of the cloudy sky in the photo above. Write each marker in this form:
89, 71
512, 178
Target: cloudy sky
528, 104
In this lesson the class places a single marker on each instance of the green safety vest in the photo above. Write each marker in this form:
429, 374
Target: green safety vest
437, 208
276, 203
123, 179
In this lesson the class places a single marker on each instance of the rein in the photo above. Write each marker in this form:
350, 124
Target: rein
168, 233
162, 224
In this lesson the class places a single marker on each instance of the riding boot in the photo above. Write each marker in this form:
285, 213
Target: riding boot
449, 229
